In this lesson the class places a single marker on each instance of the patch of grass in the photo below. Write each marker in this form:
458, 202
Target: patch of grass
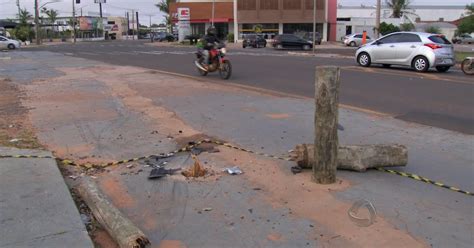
460, 56
24, 139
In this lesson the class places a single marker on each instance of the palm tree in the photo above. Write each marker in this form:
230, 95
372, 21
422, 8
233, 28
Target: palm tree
398, 7
24, 16
52, 15
164, 7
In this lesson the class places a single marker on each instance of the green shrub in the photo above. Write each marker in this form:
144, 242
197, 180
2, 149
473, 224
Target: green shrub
407, 27
388, 28
230, 37
433, 30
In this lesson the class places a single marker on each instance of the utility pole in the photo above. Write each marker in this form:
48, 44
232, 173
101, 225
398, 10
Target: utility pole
377, 19
19, 9
133, 22
100, 9
213, 11
37, 28
73, 19
314, 26
236, 23
128, 24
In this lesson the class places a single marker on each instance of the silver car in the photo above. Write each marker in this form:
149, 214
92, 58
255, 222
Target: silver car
421, 51
354, 40
8, 43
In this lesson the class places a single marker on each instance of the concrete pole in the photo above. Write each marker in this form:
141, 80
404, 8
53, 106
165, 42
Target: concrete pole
213, 12
133, 21
377, 19
236, 23
74, 19
37, 27
19, 9
314, 26
325, 124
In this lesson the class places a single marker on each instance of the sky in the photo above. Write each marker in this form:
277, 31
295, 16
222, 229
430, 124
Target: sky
147, 8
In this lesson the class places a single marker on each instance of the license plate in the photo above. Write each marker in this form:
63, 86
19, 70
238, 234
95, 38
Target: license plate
447, 61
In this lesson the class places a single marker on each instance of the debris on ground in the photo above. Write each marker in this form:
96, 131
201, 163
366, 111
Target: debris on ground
207, 209
14, 140
360, 221
197, 170
296, 169
234, 170
161, 172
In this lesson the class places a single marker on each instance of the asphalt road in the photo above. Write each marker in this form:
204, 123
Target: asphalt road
444, 100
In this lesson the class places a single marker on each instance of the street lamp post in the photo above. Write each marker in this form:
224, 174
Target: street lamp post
74, 19
314, 26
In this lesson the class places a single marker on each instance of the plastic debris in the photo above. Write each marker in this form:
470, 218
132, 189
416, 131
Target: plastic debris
207, 209
86, 219
234, 170
360, 221
296, 169
14, 140
161, 172
73, 177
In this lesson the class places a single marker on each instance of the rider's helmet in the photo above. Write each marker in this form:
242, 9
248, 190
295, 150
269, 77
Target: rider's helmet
211, 30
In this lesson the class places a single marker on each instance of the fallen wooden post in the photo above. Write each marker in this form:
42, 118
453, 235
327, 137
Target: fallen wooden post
121, 229
356, 157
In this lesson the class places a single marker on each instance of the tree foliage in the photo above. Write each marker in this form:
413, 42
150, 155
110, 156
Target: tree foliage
433, 30
407, 27
386, 28
467, 24
164, 7
397, 6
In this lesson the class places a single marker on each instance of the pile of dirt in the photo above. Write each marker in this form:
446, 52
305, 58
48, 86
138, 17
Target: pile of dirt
197, 170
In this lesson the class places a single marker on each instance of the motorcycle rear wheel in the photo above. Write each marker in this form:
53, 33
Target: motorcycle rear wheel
225, 70
467, 67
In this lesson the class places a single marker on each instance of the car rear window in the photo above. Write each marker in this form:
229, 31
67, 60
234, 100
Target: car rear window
439, 39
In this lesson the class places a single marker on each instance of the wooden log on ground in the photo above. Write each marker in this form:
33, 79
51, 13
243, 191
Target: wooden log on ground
356, 157
120, 228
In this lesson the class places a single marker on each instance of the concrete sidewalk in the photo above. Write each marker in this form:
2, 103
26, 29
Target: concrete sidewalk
36, 208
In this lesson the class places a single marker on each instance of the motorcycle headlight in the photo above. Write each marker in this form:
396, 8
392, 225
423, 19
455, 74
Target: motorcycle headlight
223, 50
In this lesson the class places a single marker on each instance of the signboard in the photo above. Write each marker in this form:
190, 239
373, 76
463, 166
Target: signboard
90, 23
111, 28
184, 23
100, 1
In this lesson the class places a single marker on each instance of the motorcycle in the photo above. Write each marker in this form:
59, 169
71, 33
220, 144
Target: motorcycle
217, 62
467, 66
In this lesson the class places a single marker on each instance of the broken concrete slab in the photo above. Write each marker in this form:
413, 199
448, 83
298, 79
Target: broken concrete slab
36, 208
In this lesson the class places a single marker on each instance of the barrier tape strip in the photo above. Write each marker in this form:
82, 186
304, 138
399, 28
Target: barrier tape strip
192, 145
426, 180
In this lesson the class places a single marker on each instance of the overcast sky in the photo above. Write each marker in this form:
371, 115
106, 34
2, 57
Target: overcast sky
146, 8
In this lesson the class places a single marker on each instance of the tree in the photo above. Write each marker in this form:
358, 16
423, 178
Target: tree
51, 14
388, 28
164, 7
23, 31
467, 23
398, 7
433, 30
407, 27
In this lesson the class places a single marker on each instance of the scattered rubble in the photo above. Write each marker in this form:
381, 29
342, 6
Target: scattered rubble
197, 170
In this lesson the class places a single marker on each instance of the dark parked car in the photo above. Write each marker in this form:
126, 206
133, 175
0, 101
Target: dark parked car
309, 37
291, 41
163, 37
253, 40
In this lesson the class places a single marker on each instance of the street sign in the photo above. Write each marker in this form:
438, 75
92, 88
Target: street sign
100, 1
184, 23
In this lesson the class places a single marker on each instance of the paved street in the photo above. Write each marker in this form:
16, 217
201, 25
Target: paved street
434, 99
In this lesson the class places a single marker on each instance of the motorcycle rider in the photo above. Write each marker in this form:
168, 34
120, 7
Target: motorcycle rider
207, 44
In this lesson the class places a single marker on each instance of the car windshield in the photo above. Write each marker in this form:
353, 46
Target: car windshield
439, 39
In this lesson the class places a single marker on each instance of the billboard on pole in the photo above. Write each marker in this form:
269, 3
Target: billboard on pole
184, 23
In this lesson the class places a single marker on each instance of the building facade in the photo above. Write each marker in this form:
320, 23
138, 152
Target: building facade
268, 17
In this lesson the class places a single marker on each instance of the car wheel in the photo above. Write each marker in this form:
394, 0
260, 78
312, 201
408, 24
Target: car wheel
279, 47
306, 47
420, 64
364, 59
244, 46
443, 68
386, 65
352, 44
11, 46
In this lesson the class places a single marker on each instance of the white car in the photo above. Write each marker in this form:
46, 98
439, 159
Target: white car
355, 40
8, 43
421, 51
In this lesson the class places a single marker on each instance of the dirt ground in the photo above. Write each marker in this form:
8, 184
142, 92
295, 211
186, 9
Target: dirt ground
106, 113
